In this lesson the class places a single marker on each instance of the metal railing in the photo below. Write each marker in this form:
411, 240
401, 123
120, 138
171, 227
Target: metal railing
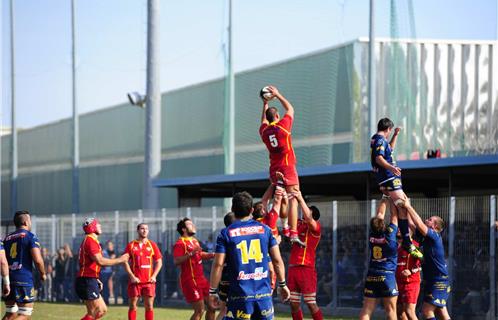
469, 238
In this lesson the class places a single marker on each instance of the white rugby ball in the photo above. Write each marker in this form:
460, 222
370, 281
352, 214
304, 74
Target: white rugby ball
266, 94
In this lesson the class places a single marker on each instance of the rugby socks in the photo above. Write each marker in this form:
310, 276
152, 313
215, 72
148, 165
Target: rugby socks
87, 317
149, 314
317, 315
298, 315
132, 314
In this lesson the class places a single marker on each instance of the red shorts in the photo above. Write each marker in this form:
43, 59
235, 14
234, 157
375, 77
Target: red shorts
195, 290
141, 289
302, 279
408, 292
290, 175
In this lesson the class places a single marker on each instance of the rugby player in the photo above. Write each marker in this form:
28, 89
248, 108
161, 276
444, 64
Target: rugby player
87, 284
246, 246
380, 282
302, 273
143, 267
224, 283
22, 249
388, 175
188, 255
276, 134
4, 270
434, 268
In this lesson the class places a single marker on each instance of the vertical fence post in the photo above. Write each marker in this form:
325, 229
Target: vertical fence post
117, 245
140, 216
334, 255
33, 226
373, 209
213, 222
165, 247
493, 299
451, 247
54, 234
73, 231
189, 212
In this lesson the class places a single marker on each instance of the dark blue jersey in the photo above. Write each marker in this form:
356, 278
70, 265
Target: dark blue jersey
434, 266
379, 146
383, 250
1, 246
247, 245
18, 247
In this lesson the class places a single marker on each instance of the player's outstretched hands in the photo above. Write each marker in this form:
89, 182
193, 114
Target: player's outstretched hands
284, 293
274, 91
5, 290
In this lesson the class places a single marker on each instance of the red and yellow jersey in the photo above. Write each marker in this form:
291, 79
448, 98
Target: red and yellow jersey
88, 249
270, 220
407, 261
142, 256
305, 256
277, 138
192, 267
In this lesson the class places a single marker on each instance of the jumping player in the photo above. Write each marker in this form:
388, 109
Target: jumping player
225, 281
88, 285
302, 272
435, 271
408, 280
188, 254
4, 269
22, 249
388, 175
246, 246
146, 262
380, 281
276, 134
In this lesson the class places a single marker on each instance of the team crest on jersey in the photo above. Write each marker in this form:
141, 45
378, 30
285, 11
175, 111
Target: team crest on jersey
246, 231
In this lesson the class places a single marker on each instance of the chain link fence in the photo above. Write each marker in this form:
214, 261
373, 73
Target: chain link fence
469, 238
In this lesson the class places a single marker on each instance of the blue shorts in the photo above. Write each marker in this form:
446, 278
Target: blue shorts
21, 294
437, 292
380, 284
87, 288
392, 184
242, 310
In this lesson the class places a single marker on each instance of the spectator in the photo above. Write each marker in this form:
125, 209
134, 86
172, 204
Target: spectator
112, 254
105, 276
60, 265
45, 289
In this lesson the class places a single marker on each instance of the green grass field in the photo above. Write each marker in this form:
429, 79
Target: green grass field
48, 311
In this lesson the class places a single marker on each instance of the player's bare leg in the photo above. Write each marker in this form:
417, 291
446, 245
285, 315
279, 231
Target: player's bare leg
297, 313
97, 308
10, 310
149, 307
390, 307
132, 310
398, 196
293, 207
401, 312
199, 309
24, 311
442, 313
315, 311
369, 305
222, 310
409, 311
210, 312
284, 207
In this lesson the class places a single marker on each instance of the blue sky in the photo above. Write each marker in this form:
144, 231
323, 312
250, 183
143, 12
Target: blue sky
111, 40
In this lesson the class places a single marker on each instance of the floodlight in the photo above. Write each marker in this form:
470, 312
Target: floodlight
136, 99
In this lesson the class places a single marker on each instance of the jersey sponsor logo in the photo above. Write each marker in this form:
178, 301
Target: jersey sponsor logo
267, 312
242, 315
15, 266
14, 236
378, 240
246, 231
258, 274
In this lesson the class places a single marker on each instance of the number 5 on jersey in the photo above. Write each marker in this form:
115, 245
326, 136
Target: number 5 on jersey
253, 253
273, 140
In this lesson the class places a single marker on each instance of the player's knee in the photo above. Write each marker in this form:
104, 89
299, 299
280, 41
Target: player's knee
25, 311
312, 306
295, 306
11, 309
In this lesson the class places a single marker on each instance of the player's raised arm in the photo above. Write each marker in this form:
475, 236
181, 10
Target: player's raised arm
107, 262
394, 139
307, 214
263, 114
289, 109
417, 221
